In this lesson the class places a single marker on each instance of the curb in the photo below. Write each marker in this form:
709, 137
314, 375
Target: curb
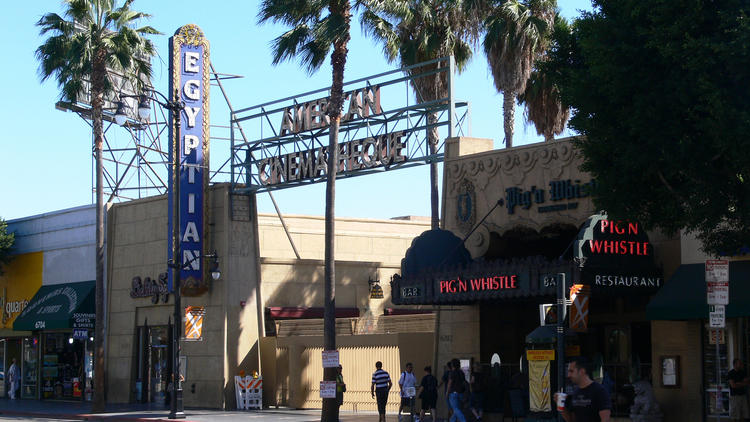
87, 416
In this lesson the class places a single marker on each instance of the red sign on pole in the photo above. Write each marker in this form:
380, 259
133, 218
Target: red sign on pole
717, 282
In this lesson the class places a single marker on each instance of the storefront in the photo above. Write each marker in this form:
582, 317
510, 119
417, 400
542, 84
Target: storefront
681, 307
58, 357
52, 341
524, 215
273, 327
22, 278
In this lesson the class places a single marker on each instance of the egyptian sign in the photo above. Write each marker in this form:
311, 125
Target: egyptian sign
189, 85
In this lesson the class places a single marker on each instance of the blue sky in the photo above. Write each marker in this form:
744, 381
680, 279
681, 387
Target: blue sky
45, 158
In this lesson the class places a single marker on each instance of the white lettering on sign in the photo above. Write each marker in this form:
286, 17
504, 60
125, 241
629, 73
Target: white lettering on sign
191, 62
39, 324
192, 89
191, 257
15, 307
191, 233
191, 142
191, 113
717, 316
381, 150
312, 114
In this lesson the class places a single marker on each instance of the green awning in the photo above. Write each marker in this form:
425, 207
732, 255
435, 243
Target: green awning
684, 295
59, 306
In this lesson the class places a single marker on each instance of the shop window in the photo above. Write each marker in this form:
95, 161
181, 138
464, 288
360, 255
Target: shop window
63, 372
618, 346
30, 368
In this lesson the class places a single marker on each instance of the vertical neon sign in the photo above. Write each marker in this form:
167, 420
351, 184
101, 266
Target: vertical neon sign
189, 67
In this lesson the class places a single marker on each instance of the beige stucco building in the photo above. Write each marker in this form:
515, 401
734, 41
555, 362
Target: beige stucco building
267, 300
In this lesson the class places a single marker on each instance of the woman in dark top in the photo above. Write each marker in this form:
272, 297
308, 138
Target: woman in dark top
428, 392
477, 391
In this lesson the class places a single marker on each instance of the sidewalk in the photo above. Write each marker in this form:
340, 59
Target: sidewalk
137, 412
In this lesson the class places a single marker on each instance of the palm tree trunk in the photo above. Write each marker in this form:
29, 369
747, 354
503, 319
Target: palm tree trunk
433, 138
330, 411
97, 101
509, 112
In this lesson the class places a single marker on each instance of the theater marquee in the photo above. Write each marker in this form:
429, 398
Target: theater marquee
189, 67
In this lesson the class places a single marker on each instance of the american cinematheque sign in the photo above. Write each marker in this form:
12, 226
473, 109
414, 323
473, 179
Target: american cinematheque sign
189, 84
284, 143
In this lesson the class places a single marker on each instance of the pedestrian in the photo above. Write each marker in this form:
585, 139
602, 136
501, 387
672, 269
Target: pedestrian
407, 383
477, 384
456, 390
428, 392
340, 387
381, 385
14, 379
589, 401
444, 383
738, 381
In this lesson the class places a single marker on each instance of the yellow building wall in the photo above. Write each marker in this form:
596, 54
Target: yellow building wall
20, 281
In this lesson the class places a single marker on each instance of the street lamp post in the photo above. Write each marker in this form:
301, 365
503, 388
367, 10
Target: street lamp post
175, 107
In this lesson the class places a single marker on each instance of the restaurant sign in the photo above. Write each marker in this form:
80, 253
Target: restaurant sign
562, 194
617, 255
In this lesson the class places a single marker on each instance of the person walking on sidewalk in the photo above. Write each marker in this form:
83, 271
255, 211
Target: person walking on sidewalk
477, 384
444, 383
589, 401
428, 392
340, 387
408, 385
14, 379
738, 381
381, 385
456, 390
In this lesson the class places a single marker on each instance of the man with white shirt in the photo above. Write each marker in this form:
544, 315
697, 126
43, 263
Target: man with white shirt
408, 384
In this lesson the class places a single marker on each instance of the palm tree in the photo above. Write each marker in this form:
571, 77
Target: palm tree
92, 36
543, 105
318, 27
517, 32
414, 31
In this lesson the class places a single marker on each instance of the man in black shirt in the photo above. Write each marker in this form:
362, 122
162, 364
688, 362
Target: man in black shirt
738, 381
589, 402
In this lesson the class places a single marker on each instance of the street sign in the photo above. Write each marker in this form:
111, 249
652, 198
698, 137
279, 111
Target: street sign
717, 270
717, 282
330, 358
328, 389
717, 316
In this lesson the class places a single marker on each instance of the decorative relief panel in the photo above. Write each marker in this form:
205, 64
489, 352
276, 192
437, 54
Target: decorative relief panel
536, 186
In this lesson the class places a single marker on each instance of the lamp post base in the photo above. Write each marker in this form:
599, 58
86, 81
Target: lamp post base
177, 411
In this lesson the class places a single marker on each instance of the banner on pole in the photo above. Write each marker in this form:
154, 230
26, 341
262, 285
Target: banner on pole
194, 322
580, 296
539, 387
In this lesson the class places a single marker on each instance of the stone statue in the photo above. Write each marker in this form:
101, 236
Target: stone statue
644, 408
